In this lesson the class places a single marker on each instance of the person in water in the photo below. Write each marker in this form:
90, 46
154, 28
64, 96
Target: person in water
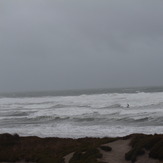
128, 105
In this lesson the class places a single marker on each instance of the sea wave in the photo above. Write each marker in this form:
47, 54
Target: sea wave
93, 113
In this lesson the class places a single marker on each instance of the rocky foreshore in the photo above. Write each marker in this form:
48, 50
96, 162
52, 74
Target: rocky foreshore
138, 148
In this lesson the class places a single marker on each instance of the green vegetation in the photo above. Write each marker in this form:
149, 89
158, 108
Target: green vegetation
87, 156
49, 150
106, 148
52, 150
140, 143
88, 152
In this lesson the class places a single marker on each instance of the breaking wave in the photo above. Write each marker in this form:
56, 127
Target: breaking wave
93, 114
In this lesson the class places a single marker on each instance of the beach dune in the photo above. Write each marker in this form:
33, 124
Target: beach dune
136, 148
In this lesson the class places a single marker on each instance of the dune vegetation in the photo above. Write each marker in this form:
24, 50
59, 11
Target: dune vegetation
86, 150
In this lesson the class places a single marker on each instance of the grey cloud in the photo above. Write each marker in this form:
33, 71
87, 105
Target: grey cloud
80, 44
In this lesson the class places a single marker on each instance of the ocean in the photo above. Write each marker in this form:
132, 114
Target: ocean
83, 113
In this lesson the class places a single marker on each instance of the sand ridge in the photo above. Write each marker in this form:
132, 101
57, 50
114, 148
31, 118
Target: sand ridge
119, 149
117, 155
68, 157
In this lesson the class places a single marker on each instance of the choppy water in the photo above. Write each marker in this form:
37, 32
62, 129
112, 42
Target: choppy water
95, 113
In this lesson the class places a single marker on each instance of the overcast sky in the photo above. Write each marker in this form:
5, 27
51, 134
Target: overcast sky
76, 44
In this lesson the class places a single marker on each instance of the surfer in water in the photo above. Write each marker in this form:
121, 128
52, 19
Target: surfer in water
128, 105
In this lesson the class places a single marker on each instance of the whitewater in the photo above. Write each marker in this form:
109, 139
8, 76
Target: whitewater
83, 113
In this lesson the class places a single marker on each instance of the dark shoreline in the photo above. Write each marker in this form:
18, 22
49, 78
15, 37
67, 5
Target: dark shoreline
14, 148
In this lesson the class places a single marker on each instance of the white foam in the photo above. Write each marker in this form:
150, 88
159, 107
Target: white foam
102, 115
66, 130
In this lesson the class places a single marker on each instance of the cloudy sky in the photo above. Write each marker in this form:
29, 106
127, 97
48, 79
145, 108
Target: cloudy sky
76, 44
